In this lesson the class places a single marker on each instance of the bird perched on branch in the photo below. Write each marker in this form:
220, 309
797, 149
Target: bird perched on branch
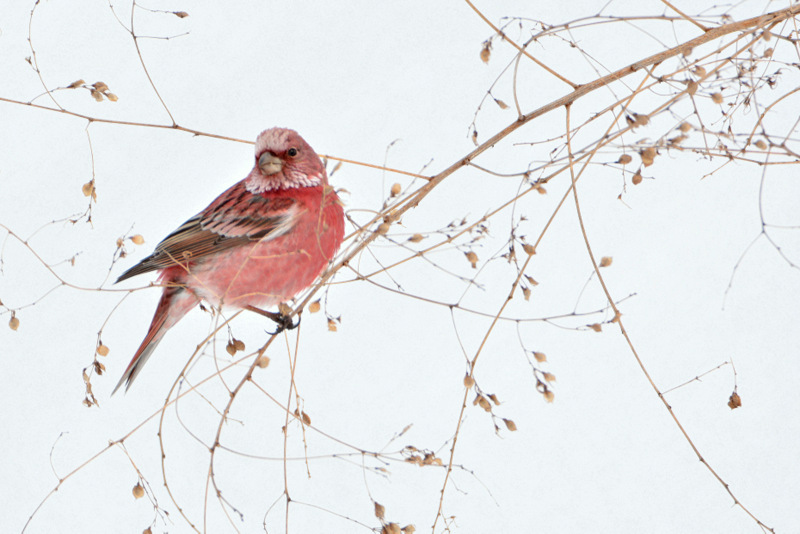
258, 244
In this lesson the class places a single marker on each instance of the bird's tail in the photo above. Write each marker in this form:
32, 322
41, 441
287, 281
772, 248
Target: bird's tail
175, 302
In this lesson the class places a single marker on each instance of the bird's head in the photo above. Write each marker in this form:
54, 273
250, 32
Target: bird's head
284, 160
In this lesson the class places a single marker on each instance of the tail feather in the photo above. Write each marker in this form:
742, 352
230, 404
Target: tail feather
175, 302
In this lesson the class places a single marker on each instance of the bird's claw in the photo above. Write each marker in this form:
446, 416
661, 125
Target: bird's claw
283, 322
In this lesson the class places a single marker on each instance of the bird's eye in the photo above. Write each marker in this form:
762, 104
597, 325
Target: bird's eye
292, 152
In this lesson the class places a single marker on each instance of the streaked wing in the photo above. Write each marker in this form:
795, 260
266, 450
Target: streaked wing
236, 218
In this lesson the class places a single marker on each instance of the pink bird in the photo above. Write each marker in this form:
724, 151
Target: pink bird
258, 244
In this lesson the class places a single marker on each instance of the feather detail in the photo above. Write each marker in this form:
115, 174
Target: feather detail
235, 219
175, 302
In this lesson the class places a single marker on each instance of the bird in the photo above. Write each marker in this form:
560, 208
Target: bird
258, 244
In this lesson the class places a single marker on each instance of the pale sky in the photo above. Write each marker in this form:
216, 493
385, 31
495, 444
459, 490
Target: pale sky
396, 84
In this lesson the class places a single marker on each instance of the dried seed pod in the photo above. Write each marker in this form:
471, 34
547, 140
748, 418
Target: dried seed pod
526, 292
314, 306
502, 104
472, 258
88, 188
102, 350
716, 97
137, 239
540, 357
238, 344
761, 144
510, 425
685, 127
383, 228
549, 396
396, 189
691, 87
138, 491
468, 381
624, 159
677, 140
597, 327
550, 377
416, 238
640, 120
605, 261
486, 51
262, 362
13, 323
648, 156
230, 348
380, 511
529, 249
734, 401
637, 178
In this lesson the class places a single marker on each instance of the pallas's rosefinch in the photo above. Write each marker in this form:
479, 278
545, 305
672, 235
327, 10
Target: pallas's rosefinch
258, 244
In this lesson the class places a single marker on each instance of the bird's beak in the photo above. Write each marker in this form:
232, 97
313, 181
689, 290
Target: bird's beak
269, 164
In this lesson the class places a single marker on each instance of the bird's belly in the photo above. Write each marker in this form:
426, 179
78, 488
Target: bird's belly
263, 274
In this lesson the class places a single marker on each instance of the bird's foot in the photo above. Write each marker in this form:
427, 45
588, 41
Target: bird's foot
282, 320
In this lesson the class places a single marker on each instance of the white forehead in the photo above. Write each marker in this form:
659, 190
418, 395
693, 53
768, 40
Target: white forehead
274, 140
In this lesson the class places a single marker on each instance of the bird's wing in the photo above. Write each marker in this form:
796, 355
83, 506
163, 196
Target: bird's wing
236, 218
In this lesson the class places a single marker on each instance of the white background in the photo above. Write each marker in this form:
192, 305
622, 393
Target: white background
352, 78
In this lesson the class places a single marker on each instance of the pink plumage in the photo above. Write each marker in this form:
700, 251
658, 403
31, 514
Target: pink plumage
258, 244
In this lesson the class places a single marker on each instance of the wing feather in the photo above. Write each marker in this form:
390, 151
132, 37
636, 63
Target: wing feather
236, 218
